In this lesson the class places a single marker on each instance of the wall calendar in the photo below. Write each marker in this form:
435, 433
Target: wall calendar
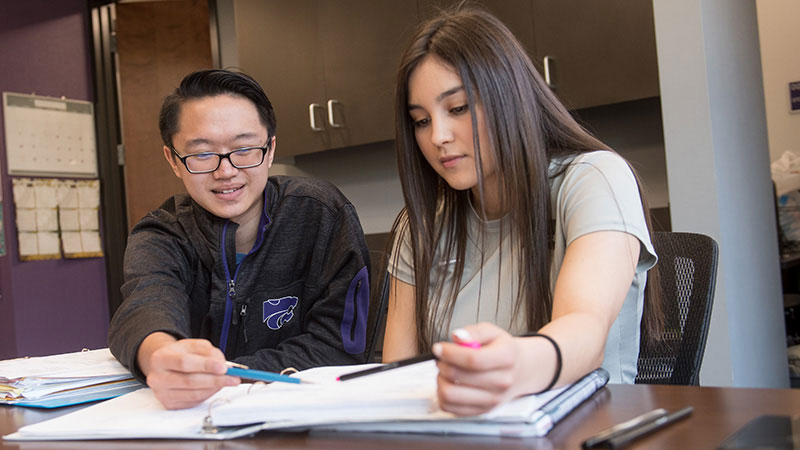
48, 136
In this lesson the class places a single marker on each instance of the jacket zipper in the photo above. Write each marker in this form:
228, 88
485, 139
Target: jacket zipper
355, 310
232, 289
232, 297
242, 313
234, 318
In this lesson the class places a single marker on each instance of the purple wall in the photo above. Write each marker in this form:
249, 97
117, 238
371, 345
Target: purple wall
60, 305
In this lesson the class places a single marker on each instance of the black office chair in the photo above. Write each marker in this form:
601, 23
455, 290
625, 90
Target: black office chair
688, 267
378, 304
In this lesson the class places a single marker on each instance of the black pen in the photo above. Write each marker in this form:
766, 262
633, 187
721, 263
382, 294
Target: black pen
626, 438
624, 427
402, 363
389, 366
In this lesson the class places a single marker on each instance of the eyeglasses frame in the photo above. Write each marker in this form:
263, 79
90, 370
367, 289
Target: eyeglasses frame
264, 149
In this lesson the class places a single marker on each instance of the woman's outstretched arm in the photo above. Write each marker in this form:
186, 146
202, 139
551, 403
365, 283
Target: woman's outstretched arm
591, 286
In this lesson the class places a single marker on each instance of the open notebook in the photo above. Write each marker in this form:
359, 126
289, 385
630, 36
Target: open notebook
401, 400
62, 380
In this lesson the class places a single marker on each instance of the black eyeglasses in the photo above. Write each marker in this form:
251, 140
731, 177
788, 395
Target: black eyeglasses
206, 162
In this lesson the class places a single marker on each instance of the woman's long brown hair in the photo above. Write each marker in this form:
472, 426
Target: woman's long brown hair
527, 128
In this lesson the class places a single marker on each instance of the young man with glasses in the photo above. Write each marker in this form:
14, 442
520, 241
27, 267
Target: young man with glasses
266, 272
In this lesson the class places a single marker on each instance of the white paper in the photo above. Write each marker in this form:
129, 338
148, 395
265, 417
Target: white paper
68, 194
28, 244
89, 194
68, 218
48, 243
46, 193
23, 193
71, 241
77, 364
40, 376
131, 416
406, 391
88, 219
47, 219
394, 398
26, 219
90, 241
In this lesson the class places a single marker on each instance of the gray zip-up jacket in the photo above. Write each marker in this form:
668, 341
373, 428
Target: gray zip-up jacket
299, 299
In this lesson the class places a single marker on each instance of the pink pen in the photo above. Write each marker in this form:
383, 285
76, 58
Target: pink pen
470, 344
465, 340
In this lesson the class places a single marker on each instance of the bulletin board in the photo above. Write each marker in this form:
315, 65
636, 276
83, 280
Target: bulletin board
57, 217
49, 137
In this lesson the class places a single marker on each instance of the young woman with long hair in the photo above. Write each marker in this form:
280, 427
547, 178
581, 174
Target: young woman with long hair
517, 221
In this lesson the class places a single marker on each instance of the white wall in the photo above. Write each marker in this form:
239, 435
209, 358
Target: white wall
719, 181
367, 175
779, 34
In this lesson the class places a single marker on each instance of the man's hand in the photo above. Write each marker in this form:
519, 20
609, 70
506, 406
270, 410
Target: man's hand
182, 373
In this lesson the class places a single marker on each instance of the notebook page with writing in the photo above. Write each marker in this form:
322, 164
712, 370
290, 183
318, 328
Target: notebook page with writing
401, 400
528, 416
138, 415
404, 392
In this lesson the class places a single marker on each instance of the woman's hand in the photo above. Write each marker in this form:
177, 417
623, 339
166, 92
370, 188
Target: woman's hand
475, 380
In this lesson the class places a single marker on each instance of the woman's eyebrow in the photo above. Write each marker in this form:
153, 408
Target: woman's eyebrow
448, 93
439, 97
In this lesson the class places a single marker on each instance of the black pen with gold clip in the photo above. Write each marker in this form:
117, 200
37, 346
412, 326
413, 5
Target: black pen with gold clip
625, 433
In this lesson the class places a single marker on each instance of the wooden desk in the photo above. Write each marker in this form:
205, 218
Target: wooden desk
718, 413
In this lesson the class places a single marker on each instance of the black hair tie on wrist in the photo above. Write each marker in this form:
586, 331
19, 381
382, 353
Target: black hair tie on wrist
558, 360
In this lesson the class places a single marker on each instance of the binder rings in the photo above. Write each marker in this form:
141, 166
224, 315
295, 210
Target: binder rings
401, 400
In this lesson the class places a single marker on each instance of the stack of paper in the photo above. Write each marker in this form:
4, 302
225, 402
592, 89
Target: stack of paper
402, 400
61, 380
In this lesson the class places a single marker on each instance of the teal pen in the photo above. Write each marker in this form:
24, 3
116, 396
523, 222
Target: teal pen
241, 371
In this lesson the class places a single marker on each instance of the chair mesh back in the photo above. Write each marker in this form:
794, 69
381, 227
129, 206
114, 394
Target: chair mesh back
688, 267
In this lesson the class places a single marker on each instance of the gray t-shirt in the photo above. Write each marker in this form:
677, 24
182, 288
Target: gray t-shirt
597, 192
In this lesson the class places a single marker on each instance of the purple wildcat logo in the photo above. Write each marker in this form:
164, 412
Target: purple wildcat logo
278, 311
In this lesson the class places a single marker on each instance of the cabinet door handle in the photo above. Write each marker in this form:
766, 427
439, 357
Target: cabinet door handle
549, 66
312, 118
331, 120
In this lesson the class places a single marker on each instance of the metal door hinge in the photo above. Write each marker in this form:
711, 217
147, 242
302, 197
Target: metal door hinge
120, 154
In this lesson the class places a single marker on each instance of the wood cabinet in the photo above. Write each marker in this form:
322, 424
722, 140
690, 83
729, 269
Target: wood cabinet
517, 15
599, 52
328, 66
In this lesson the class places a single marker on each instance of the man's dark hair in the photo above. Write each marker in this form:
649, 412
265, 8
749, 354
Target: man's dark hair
209, 83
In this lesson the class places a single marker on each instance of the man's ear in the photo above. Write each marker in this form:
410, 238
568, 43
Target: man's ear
172, 160
271, 152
